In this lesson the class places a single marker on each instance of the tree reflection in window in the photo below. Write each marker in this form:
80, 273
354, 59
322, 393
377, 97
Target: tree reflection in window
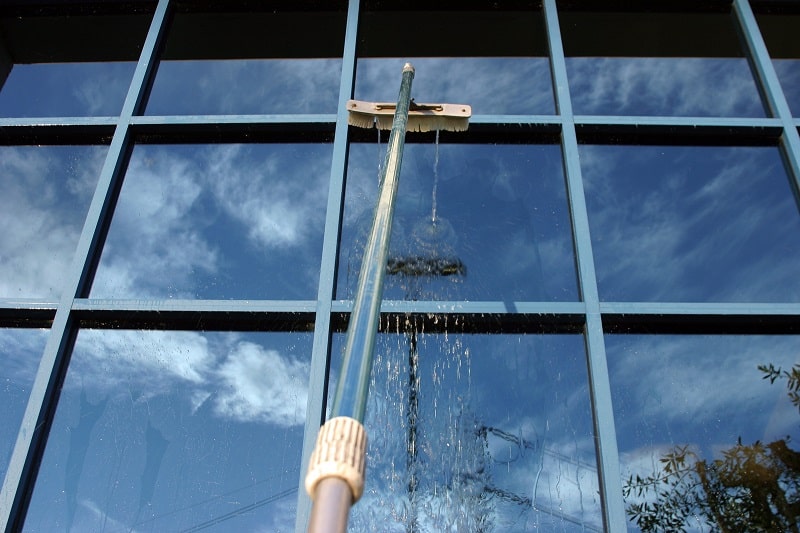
751, 487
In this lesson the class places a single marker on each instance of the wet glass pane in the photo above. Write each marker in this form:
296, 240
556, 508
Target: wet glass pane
494, 59
707, 433
450, 216
703, 224
274, 61
20, 351
220, 221
478, 433
779, 31
72, 65
46, 194
633, 64
176, 431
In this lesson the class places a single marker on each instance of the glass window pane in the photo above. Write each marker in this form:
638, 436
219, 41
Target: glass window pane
478, 433
68, 65
712, 441
20, 351
671, 223
779, 31
261, 61
46, 194
490, 58
625, 63
221, 221
449, 217
172, 431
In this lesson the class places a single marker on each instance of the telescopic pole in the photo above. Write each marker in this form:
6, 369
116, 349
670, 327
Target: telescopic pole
335, 479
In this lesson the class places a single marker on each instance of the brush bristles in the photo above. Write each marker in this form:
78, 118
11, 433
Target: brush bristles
416, 123
421, 118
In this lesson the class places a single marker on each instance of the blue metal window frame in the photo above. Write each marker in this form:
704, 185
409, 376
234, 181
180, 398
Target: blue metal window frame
326, 315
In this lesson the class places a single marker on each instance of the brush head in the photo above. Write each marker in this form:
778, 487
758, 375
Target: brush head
416, 266
421, 117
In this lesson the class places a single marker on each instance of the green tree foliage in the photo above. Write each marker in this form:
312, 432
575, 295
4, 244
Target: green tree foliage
752, 488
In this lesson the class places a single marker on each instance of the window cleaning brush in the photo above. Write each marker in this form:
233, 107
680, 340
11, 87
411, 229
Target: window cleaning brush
335, 478
421, 117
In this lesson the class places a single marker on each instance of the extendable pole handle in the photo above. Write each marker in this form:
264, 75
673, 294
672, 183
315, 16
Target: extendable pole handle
335, 478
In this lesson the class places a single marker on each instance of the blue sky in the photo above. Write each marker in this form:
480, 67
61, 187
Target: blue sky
167, 430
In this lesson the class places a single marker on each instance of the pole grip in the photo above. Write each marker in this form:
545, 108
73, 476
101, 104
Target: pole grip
340, 452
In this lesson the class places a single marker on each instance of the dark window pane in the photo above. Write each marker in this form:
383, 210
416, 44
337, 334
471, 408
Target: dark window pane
169, 431
692, 223
710, 439
20, 351
499, 211
492, 59
221, 221
500, 439
257, 62
779, 31
633, 64
67, 65
46, 194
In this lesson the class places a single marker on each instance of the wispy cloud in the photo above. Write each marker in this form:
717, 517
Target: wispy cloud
700, 224
46, 193
663, 86
287, 86
193, 221
490, 85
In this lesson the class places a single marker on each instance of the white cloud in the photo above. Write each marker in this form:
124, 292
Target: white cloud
262, 385
241, 380
46, 193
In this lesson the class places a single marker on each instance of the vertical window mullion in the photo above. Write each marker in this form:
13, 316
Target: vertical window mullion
43, 399
320, 357
771, 88
600, 389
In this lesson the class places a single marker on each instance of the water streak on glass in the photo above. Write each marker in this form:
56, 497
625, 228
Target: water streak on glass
46, 194
478, 433
481, 192
707, 429
222, 221
176, 431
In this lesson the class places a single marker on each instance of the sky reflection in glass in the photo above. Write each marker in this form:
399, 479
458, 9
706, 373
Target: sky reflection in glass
634, 63
704, 392
701, 87
20, 351
698, 224
46, 194
66, 89
166, 431
221, 221
245, 86
482, 193
491, 85
503, 435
